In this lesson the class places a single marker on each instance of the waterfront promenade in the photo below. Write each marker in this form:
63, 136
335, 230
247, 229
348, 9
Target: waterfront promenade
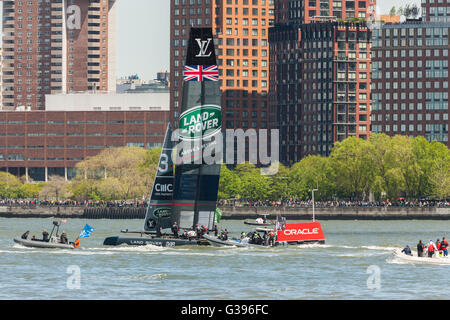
137, 211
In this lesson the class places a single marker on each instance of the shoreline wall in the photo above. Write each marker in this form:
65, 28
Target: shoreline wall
238, 213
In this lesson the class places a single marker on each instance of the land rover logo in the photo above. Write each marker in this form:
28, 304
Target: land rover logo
162, 212
200, 122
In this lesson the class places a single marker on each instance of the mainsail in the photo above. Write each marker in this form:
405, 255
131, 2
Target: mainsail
160, 205
196, 178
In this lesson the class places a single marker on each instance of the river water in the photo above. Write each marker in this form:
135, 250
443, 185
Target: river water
355, 263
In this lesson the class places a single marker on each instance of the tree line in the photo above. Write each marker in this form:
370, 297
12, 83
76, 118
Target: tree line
381, 168
385, 167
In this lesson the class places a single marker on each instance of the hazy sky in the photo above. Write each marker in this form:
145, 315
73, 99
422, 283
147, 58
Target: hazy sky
143, 35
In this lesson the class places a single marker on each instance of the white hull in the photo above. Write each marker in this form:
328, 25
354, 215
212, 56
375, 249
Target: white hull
424, 260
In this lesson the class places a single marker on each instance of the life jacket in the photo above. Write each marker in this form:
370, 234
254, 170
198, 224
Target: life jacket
444, 245
430, 248
272, 234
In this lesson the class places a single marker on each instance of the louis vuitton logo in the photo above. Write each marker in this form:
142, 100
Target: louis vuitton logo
203, 45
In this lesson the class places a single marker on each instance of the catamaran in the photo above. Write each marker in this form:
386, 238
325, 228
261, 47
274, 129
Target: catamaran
186, 186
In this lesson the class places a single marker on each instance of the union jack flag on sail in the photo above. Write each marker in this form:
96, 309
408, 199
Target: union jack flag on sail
201, 73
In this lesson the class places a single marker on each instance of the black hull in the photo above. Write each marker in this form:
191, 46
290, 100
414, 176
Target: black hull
160, 242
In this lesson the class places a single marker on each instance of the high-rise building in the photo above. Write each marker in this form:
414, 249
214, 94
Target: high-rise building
241, 32
410, 75
410, 80
56, 46
320, 75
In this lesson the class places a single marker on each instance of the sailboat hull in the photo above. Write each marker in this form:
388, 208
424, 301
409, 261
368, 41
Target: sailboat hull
146, 241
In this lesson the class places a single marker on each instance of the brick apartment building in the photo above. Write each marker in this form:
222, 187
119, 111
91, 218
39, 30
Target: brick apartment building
436, 10
410, 77
320, 69
56, 46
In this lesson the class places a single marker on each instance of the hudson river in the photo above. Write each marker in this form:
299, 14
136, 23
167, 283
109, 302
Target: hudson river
355, 263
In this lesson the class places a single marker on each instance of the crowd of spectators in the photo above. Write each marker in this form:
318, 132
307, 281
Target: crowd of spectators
70, 203
292, 203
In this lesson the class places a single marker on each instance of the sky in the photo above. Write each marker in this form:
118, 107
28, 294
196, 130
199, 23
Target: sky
142, 37
143, 30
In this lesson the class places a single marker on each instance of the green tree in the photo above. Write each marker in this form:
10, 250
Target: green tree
32, 190
393, 11
279, 182
229, 184
440, 178
10, 186
254, 185
56, 188
130, 172
312, 172
388, 177
352, 161
405, 162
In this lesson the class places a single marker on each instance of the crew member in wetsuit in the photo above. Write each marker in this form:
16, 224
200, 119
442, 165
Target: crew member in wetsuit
175, 229
63, 238
407, 250
420, 248
45, 236
25, 235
